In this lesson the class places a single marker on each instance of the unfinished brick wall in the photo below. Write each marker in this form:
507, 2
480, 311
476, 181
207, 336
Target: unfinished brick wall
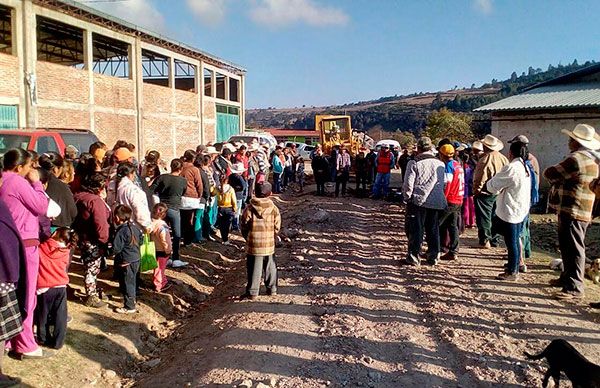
187, 135
63, 118
158, 136
62, 83
157, 99
9, 76
112, 92
209, 121
110, 127
186, 103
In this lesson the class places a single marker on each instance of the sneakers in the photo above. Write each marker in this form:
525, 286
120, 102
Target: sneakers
511, 277
486, 245
522, 268
94, 301
568, 295
178, 263
449, 256
272, 292
123, 310
37, 354
248, 296
169, 263
211, 238
227, 243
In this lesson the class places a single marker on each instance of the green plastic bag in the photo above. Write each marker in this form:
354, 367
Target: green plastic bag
148, 250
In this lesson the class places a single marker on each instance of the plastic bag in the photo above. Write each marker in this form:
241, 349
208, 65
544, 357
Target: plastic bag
148, 250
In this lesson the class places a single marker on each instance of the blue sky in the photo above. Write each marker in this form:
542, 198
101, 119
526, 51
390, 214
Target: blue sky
322, 52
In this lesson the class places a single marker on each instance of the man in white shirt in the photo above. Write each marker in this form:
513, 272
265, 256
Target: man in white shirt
512, 184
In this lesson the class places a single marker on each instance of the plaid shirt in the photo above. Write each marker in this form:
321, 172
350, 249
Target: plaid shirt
571, 180
260, 223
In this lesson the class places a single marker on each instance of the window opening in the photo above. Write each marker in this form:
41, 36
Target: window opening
185, 76
221, 86
59, 43
208, 82
110, 56
5, 30
155, 68
234, 90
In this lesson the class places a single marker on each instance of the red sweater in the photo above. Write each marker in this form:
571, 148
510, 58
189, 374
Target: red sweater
54, 261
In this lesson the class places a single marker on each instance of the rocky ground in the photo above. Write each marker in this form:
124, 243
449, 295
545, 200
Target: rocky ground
347, 314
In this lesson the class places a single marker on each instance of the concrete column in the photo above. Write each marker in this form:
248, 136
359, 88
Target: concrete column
88, 57
29, 44
242, 95
136, 74
172, 73
198, 85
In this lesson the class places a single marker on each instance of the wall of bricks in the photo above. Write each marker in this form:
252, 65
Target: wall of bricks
158, 136
209, 117
187, 134
112, 92
186, 103
110, 127
157, 99
62, 83
63, 118
9, 75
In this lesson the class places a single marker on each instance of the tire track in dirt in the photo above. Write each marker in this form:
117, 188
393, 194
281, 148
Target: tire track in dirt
348, 314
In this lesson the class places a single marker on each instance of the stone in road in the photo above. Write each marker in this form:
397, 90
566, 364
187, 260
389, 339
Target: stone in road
348, 314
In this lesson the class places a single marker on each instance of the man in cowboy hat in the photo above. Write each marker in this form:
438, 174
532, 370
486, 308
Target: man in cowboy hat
574, 202
489, 164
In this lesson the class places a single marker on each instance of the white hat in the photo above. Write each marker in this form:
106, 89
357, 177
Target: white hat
519, 139
585, 135
477, 145
254, 147
492, 142
230, 147
237, 168
210, 150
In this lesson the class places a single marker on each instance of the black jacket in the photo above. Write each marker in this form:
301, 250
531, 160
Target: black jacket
126, 244
205, 186
320, 167
60, 193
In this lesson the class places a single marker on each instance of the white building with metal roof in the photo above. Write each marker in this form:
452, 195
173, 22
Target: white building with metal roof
541, 111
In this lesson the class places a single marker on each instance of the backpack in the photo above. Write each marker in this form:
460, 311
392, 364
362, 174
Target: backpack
535, 189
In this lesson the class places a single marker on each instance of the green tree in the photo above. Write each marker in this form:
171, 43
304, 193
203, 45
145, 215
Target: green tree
406, 139
447, 124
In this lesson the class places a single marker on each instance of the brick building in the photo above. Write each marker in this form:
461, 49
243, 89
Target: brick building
65, 65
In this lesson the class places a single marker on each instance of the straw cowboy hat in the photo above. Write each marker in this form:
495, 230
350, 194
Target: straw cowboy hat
210, 150
237, 168
585, 135
492, 142
230, 147
254, 147
477, 145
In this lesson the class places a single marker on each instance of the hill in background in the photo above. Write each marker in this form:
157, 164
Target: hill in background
409, 113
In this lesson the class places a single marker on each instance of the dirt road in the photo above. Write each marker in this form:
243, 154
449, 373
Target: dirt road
348, 314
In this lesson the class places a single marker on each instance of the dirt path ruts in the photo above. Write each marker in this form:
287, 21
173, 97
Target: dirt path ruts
349, 315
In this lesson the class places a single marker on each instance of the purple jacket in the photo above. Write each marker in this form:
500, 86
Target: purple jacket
25, 202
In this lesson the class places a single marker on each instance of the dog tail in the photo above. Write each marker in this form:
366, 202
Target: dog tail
535, 356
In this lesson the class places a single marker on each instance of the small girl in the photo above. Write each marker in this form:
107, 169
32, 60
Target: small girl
51, 310
227, 207
126, 247
161, 235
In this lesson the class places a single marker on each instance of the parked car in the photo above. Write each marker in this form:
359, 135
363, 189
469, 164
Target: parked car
46, 140
303, 149
393, 144
260, 137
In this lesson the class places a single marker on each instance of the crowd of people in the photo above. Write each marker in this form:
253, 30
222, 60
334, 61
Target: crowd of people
105, 204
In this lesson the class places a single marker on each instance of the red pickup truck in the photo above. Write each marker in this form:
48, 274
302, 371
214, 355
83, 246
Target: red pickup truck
46, 140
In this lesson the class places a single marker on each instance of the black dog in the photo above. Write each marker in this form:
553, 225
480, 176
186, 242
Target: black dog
563, 357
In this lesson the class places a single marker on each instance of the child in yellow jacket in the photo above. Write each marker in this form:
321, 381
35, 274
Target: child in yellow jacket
227, 207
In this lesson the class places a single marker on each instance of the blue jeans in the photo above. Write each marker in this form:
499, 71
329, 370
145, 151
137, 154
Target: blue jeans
382, 183
277, 182
239, 197
174, 220
511, 234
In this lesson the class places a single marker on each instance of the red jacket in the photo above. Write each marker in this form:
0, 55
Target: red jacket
92, 218
54, 261
384, 162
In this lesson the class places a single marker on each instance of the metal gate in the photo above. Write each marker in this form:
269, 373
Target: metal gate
9, 118
228, 122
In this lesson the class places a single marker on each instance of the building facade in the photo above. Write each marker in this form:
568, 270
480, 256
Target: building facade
64, 65
541, 111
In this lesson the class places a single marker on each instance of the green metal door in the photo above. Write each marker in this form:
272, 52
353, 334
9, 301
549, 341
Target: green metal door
227, 126
9, 117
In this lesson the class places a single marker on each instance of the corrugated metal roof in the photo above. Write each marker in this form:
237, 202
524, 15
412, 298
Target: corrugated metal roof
574, 95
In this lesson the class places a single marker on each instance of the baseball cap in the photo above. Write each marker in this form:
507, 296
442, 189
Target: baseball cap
122, 154
425, 143
447, 150
521, 139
